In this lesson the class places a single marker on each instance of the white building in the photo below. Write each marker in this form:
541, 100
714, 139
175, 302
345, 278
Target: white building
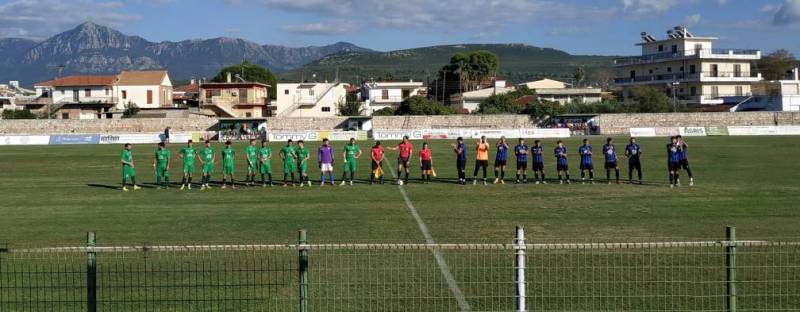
690, 68
9, 93
380, 95
146, 89
544, 83
470, 101
780, 95
75, 97
312, 99
557, 91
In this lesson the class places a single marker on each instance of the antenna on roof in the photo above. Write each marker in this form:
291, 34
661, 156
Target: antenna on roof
647, 37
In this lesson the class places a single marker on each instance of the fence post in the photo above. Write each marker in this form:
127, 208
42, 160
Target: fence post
91, 273
730, 269
519, 264
303, 270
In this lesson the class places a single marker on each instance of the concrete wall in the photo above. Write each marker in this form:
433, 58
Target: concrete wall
102, 126
608, 123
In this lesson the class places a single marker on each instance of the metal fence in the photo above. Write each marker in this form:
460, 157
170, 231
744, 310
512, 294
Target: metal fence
723, 275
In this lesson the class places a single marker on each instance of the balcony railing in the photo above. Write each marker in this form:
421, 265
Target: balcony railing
697, 53
688, 76
387, 99
88, 100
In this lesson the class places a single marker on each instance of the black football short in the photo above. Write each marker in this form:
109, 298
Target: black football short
426, 165
674, 166
538, 166
482, 163
499, 162
587, 166
522, 165
562, 167
611, 165
461, 164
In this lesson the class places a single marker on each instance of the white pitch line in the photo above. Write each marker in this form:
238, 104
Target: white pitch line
443, 267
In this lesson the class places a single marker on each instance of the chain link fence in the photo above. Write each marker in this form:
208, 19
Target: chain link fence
724, 275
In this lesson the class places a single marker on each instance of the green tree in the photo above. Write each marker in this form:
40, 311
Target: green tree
131, 109
249, 72
775, 65
18, 114
499, 104
579, 76
646, 99
350, 108
386, 111
543, 110
483, 64
420, 105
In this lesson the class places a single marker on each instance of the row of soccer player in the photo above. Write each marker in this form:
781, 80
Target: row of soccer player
295, 161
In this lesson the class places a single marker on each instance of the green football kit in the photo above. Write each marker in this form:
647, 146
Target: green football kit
252, 159
189, 154
207, 155
162, 159
127, 171
289, 163
227, 161
350, 151
264, 165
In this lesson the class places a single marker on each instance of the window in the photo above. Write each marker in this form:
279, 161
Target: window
385, 94
692, 69
326, 109
124, 94
62, 91
64, 115
651, 71
669, 69
739, 91
715, 91
149, 96
737, 70
107, 91
693, 91
674, 48
660, 48
87, 92
286, 92
681, 69
248, 115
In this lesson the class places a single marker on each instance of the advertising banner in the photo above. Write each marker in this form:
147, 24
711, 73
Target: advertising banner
396, 135
752, 130
495, 133
24, 140
62, 139
280, 136
643, 132
692, 131
342, 135
717, 130
444, 134
545, 133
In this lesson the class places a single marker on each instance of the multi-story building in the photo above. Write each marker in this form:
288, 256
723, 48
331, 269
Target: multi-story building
147, 89
380, 95
691, 69
310, 99
235, 99
75, 97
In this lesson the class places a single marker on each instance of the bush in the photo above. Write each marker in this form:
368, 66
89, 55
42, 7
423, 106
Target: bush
18, 114
500, 104
386, 111
347, 108
131, 109
646, 99
543, 110
420, 105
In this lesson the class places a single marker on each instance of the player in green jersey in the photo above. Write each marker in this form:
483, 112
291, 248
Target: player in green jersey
207, 159
289, 157
188, 154
251, 158
264, 165
126, 158
351, 153
302, 162
227, 164
161, 165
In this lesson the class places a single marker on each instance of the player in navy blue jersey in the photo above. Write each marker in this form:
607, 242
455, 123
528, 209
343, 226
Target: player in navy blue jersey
500, 161
633, 151
461, 159
585, 152
562, 165
537, 157
521, 151
610, 154
684, 159
673, 161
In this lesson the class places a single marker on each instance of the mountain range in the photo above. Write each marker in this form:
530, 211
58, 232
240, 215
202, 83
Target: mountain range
90, 48
95, 49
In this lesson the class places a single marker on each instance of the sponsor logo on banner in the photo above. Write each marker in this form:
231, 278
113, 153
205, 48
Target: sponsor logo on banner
147, 138
24, 140
495, 133
764, 130
643, 132
692, 131
61, 139
717, 131
338, 135
396, 134
441, 134
544, 133
294, 135
787, 130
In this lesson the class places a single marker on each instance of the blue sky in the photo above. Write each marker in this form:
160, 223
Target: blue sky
577, 26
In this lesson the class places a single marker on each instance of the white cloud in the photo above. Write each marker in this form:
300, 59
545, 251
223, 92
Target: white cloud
479, 16
788, 13
692, 20
331, 27
38, 19
647, 7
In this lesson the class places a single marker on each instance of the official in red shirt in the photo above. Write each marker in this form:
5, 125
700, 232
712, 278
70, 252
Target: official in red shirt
377, 163
404, 159
426, 161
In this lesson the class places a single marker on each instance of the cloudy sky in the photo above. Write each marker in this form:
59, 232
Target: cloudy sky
577, 26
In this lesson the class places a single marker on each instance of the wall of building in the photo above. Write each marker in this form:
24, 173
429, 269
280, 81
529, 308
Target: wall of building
621, 123
138, 95
289, 95
97, 94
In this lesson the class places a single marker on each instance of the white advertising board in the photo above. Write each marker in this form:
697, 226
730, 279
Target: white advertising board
764, 130
280, 136
545, 133
24, 140
495, 133
643, 132
396, 134
692, 131
342, 135
147, 138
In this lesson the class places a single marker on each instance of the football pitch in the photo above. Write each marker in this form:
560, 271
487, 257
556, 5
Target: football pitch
53, 195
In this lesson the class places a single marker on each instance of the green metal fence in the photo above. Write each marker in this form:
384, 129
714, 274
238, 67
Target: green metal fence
723, 275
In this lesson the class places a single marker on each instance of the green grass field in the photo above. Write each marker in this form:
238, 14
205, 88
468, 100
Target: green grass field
52, 195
